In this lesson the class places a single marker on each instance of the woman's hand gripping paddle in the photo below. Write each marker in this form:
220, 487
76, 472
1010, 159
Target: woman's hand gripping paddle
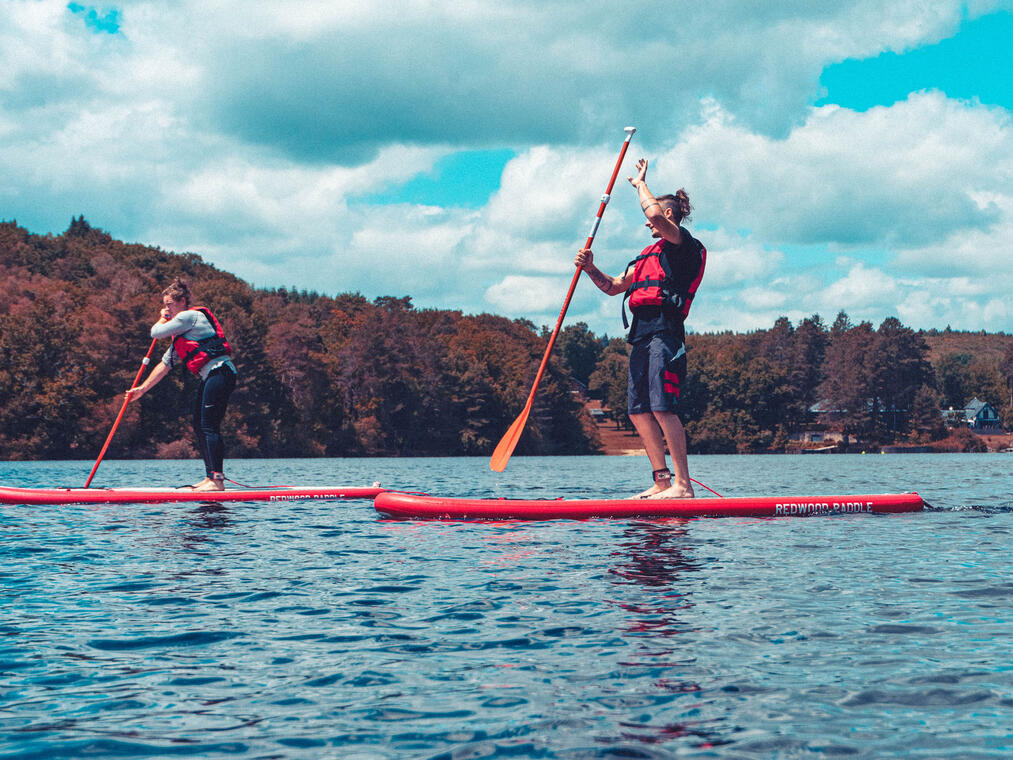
109, 438
508, 443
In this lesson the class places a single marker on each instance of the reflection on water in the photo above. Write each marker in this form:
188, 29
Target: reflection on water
655, 556
656, 559
204, 522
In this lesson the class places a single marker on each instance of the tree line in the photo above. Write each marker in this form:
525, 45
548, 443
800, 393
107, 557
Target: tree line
885, 384
319, 376
346, 376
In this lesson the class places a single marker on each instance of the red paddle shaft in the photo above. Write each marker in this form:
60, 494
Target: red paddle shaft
508, 443
109, 438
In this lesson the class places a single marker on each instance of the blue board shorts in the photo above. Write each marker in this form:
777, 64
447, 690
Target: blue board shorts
657, 369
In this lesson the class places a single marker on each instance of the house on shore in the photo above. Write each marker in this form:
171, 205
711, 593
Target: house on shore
825, 419
977, 415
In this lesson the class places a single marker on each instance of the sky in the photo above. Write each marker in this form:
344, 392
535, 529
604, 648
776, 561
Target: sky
853, 156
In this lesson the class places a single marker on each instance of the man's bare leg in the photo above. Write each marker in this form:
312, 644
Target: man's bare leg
675, 435
651, 436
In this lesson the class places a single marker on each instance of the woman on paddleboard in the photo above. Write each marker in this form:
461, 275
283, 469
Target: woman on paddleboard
660, 284
198, 341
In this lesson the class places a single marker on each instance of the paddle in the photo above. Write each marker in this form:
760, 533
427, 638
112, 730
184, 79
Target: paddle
144, 363
508, 443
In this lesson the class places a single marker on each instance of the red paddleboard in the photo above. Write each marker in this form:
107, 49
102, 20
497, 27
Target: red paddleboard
156, 495
424, 507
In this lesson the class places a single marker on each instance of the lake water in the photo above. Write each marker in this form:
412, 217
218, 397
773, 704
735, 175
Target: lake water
316, 630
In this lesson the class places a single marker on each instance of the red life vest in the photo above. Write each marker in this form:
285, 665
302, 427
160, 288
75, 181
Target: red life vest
196, 353
649, 277
653, 285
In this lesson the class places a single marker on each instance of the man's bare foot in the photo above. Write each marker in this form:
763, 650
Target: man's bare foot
198, 486
662, 481
675, 492
650, 492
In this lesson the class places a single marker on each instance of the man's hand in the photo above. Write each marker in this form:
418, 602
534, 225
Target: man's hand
607, 285
641, 173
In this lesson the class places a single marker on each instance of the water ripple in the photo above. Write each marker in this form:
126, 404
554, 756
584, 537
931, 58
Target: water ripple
315, 630
192, 639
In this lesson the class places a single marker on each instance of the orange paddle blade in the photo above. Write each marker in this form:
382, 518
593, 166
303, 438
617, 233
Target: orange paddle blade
508, 442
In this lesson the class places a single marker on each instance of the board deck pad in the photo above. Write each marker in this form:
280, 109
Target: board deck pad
400, 505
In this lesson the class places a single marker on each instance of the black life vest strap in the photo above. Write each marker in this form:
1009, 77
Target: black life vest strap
646, 284
213, 346
622, 306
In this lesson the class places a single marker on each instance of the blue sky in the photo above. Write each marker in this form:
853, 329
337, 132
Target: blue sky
101, 21
850, 156
463, 179
976, 63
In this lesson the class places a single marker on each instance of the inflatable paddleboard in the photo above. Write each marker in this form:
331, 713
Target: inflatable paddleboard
424, 507
156, 495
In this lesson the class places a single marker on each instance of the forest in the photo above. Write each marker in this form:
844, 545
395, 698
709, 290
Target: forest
346, 376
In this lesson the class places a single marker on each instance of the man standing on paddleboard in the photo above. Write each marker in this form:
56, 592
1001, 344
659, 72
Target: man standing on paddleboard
660, 284
198, 341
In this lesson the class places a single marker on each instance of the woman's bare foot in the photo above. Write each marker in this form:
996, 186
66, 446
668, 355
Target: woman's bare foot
211, 485
214, 483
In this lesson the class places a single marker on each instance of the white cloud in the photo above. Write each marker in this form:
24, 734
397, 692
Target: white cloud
862, 288
318, 79
546, 192
263, 137
735, 259
850, 178
517, 295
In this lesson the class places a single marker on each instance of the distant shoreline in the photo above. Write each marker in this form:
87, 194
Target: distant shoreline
624, 443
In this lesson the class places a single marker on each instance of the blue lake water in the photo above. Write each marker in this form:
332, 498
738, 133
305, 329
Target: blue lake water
315, 630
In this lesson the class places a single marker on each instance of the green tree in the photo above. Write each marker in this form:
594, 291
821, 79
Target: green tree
609, 380
806, 367
797, 356
580, 350
848, 391
1006, 408
952, 376
900, 368
926, 415
45, 391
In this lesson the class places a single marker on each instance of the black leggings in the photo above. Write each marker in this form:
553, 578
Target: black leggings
209, 407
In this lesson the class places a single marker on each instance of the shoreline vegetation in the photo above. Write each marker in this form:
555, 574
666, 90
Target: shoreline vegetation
345, 376
617, 441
